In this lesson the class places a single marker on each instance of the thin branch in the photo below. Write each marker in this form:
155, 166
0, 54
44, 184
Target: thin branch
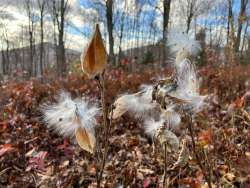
165, 165
197, 157
101, 84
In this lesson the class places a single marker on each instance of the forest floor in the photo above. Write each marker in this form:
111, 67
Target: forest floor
33, 156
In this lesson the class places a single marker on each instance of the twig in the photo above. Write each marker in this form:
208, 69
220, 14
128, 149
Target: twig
4, 170
245, 113
165, 165
101, 84
165, 177
34, 179
197, 157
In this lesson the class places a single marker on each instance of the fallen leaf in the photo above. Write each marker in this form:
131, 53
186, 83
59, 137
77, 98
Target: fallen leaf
37, 162
30, 153
205, 137
248, 155
146, 171
239, 102
5, 148
64, 164
146, 183
230, 176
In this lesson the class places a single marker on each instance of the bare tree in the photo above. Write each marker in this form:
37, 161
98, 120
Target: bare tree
6, 53
231, 39
191, 9
166, 11
121, 34
60, 8
30, 14
41, 5
190, 13
241, 19
109, 16
244, 37
248, 49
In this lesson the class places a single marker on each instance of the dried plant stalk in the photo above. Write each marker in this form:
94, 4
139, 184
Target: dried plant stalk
206, 175
182, 157
101, 84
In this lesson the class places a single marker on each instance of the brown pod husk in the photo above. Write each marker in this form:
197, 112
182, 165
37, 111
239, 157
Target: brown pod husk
94, 59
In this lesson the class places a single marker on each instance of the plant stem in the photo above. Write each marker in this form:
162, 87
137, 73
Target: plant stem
101, 84
197, 157
165, 165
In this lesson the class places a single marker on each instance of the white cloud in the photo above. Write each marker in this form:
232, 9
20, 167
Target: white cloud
13, 25
76, 42
130, 7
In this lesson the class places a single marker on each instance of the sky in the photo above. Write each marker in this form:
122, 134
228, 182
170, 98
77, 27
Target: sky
83, 14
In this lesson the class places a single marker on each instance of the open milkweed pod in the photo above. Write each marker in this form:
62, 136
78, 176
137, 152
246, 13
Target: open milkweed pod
188, 85
172, 118
181, 55
73, 118
165, 136
182, 44
120, 106
183, 155
94, 59
159, 132
171, 139
138, 104
85, 138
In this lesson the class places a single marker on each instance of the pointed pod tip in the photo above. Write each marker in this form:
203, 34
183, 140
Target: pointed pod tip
94, 59
97, 26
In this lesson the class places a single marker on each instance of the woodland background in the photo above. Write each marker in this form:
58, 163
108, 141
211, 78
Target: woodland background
41, 43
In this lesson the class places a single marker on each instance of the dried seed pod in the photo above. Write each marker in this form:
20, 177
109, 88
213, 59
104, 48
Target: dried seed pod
139, 104
183, 156
85, 140
71, 118
162, 135
164, 93
94, 59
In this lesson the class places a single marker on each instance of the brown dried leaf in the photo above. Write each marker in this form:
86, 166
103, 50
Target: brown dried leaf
205, 137
5, 149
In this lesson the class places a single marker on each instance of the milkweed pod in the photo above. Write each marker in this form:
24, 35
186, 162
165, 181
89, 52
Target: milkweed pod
168, 137
94, 59
183, 156
85, 139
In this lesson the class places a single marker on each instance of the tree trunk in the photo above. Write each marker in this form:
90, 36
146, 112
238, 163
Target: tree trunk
120, 37
241, 20
7, 67
55, 22
30, 30
41, 7
31, 73
228, 24
248, 41
109, 15
166, 8
244, 38
190, 15
3, 62
22, 43
231, 41
231, 25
